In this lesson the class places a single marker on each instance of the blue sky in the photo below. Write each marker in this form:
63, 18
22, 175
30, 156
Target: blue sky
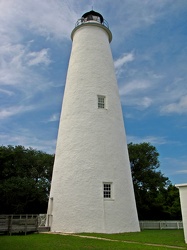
149, 48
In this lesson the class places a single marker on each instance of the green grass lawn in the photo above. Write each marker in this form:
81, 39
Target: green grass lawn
119, 241
165, 237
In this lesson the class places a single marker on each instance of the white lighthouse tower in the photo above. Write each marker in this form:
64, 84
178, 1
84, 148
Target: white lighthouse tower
91, 189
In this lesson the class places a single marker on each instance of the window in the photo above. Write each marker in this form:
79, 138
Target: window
101, 102
107, 190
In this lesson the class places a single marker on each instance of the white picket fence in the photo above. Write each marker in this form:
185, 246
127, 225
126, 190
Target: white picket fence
146, 224
169, 224
18, 223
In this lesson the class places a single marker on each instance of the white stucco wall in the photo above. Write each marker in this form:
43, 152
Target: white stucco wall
91, 145
183, 200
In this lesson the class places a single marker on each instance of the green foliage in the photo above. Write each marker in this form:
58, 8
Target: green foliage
156, 197
25, 176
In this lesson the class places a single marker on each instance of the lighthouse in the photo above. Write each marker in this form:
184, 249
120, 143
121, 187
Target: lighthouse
91, 188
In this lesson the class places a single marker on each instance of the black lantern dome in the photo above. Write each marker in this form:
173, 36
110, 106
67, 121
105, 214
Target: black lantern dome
92, 15
92, 18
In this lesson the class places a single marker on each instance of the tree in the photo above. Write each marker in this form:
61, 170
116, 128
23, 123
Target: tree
25, 175
156, 197
171, 203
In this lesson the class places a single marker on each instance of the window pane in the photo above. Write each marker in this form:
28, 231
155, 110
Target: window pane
101, 102
107, 190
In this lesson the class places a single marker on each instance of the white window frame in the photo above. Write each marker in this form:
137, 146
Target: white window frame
101, 102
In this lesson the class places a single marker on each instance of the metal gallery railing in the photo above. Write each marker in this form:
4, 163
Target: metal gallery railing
83, 21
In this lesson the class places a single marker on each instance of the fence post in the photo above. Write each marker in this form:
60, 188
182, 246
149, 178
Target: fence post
37, 223
26, 220
10, 219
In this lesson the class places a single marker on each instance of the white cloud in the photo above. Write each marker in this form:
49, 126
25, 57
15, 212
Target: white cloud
21, 59
120, 63
48, 18
38, 57
137, 15
146, 88
14, 59
7, 92
155, 140
184, 171
54, 117
11, 67
177, 165
179, 107
145, 102
27, 139
136, 93
140, 103
12, 111
134, 86
123, 60
19, 76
